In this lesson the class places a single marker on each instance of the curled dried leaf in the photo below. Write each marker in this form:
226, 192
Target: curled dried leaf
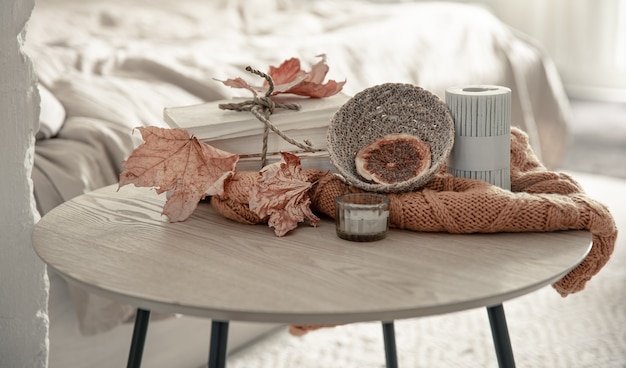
172, 160
289, 77
281, 195
239, 83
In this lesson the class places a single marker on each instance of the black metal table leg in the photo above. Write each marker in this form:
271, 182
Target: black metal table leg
500, 334
219, 343
389, 335
139, 338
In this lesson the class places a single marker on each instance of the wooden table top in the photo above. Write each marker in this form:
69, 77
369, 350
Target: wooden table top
117, 244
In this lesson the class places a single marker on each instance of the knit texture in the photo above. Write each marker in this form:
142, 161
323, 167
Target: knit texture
539, 200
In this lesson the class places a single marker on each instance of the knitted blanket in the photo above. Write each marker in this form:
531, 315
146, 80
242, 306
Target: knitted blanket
539, 200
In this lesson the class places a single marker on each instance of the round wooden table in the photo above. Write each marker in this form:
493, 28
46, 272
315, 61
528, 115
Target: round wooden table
117, 244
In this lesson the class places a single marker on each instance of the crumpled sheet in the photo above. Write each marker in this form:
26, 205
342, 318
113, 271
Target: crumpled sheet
114, 65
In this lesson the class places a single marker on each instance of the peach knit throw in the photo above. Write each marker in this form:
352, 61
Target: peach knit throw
539, 200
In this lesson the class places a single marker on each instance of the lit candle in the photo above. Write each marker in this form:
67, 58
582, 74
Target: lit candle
362, 216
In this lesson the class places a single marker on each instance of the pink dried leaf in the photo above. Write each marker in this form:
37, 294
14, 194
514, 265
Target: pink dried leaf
284, 87
318, 71
314, 90
287, 72
262, 90
172, 160
289, 77
239, 83
281, 195
313, 85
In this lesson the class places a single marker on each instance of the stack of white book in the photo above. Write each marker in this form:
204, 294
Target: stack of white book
242, 133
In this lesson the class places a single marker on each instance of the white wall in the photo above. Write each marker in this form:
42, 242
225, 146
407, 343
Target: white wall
23, 280
586, 39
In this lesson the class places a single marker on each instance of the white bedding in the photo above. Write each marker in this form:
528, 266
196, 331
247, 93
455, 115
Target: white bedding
114, 65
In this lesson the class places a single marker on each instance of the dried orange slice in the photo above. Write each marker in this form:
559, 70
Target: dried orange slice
393, 159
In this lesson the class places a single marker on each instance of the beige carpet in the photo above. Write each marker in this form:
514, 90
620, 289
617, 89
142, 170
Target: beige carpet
598, 138
587, 329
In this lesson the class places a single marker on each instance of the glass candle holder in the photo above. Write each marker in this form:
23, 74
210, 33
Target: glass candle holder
362, 216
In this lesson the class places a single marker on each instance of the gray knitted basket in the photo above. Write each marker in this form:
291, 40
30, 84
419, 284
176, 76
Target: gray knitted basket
386, 109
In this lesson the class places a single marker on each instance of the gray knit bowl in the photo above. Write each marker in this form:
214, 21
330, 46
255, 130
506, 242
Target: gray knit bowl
386, 109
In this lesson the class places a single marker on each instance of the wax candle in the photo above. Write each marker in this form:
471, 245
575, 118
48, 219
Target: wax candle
362, 216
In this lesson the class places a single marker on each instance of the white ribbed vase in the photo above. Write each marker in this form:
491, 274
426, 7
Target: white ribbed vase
482, 123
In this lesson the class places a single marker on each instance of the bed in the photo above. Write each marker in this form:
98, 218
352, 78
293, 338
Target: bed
106, 67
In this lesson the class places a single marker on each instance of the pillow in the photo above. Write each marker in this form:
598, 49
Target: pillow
51, 115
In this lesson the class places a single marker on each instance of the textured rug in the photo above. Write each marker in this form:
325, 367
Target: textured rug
587, 329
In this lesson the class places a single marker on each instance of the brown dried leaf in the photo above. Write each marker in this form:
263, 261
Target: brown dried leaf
281, 192
315, 90
289, 77
313, 85
286, 72
239, 83
172, 160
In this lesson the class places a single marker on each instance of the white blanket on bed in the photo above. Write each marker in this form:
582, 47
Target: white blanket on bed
114, 65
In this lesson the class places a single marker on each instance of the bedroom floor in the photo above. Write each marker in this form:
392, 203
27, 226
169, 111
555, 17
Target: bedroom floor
598, 143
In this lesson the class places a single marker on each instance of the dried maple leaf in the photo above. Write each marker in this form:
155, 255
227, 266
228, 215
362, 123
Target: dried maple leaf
287, 72
281, 193
172, 160
290, 78
313, 84
239, 83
